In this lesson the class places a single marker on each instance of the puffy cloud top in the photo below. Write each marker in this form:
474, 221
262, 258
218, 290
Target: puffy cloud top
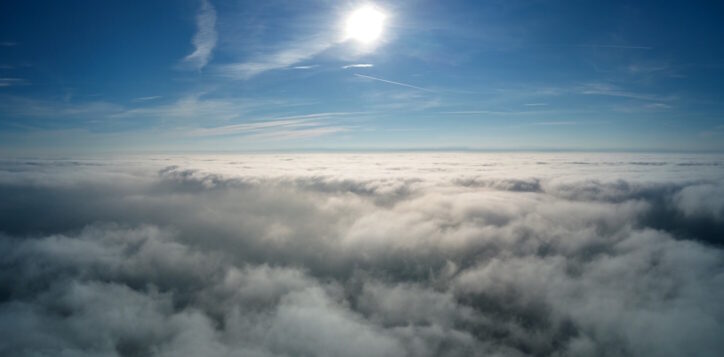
363, 254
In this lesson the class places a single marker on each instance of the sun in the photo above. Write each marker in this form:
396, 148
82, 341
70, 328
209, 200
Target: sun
365, 24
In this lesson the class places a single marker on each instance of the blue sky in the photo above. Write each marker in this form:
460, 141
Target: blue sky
97, 76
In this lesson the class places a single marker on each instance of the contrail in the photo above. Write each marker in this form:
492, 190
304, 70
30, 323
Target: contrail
393, 82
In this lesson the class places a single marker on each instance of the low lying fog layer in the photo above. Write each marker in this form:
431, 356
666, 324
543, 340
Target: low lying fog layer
420, 254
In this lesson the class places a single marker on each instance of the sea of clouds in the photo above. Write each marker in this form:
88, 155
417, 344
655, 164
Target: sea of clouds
389, 254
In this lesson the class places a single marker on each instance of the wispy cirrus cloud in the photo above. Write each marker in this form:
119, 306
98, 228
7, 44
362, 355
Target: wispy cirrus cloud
554, 123
622, 47
286, 134
246, 127
646, 68
185, 108
190, 112
495, 112
290, 55
8, 82
294, 122
609, 90
190, 107
24, 108
205, 38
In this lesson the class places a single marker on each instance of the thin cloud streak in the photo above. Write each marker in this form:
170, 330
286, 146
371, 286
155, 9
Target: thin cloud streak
306, 67
358, 65
297, 134
145, 99
7, 82
393, 82
294, 121
205, 38
554, 123
603, 46
618, 46
493, 112
613, 91
241, 128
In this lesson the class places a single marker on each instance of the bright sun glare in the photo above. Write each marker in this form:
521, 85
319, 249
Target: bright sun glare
365, 24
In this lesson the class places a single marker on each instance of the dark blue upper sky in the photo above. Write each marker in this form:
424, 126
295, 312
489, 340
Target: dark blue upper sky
196, 75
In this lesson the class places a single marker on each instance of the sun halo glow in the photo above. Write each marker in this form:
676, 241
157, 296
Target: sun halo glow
365, 24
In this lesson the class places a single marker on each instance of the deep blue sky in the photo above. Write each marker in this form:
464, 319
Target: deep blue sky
86, 76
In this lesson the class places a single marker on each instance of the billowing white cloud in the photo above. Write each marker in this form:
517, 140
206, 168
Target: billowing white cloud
701, 201
419, 254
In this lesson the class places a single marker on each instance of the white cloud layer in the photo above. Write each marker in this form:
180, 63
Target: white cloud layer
424, 254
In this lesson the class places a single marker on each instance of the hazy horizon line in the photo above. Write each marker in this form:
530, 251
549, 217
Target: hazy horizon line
322, 150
